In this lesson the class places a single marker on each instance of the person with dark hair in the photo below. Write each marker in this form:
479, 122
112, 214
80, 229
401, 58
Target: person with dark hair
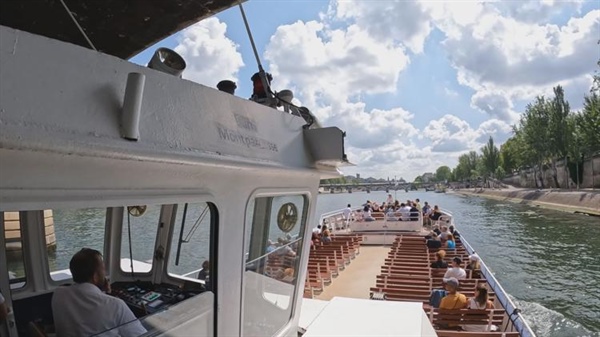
456, 271
204, 272
439, 261
479, 302
83, 309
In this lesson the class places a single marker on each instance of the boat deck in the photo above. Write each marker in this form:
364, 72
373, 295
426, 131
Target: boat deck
358, 277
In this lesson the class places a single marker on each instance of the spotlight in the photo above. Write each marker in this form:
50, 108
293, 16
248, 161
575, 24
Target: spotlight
167, 61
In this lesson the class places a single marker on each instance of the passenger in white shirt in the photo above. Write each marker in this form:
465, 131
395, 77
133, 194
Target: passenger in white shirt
83, 309
347, 213
456, 271
405, 211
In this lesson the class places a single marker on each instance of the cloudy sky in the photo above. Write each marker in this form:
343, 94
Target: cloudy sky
413, 83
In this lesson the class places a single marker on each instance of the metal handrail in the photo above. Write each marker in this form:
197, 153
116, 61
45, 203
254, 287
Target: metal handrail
511, 309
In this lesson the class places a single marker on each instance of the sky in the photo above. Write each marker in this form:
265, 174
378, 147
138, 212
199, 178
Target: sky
414, 84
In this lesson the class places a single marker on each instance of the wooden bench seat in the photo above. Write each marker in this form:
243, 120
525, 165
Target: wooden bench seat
444, 317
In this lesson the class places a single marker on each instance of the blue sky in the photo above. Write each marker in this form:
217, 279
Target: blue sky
414, 83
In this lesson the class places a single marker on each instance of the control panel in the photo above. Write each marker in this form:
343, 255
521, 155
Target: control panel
145, 298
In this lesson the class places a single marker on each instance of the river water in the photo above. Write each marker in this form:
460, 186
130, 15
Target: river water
546, 260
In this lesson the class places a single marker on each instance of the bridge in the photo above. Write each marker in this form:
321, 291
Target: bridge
374, 186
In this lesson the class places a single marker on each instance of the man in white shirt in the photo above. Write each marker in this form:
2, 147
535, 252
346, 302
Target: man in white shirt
456, 271
347, 214
83, 309
405, 211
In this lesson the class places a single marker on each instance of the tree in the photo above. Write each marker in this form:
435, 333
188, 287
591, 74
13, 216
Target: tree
490, 158
560, 135
418, 180
587, 123
533, 131
443, 173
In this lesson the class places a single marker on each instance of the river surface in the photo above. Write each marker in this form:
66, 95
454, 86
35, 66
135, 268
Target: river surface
546, 260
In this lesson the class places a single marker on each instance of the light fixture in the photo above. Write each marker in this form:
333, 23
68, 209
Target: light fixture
167, 61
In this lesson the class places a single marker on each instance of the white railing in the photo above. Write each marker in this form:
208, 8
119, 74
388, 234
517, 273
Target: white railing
511, 309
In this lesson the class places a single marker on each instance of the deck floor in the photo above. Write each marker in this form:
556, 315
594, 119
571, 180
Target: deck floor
358, 277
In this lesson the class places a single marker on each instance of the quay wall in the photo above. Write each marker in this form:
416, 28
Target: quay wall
587, 202
589, 175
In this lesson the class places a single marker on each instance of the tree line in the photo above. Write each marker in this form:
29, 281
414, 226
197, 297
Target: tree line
547, 131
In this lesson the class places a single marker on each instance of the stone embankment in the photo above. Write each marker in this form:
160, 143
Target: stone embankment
584, 201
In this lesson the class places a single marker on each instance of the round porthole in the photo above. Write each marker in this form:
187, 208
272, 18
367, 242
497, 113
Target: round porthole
287, 217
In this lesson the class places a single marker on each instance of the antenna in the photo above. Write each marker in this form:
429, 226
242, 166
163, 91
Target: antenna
261, 70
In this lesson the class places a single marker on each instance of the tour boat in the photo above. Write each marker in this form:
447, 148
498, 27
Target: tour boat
167, 175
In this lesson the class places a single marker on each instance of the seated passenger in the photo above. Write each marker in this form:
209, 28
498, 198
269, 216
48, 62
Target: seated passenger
203, 274
325, 235
414, 212
480, 302
451, 244
83, 309
474, 265
367, 215
454, 299
456, 271
436, 214
434, 242
444, 233
405, 211
439, 262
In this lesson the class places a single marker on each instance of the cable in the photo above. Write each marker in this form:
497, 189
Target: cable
78, 26
130, 248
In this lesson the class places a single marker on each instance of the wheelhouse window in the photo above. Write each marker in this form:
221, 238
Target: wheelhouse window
72, 230
274, 230
138, 237
191, 242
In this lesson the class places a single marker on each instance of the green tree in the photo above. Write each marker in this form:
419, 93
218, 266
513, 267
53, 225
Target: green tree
559, 129
418, 180
443, 173
499, 173
490, 158
533, 131
587, 124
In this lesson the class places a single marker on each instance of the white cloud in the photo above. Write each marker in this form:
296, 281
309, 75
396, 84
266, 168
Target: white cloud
210, 55
504, 51
331, 65
405, 22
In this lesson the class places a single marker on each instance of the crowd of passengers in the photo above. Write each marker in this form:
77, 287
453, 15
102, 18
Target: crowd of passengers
450, 298
394, 210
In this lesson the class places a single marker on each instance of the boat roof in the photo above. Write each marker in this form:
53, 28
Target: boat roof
115, 27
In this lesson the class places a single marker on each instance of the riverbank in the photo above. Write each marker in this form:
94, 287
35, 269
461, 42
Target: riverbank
587, 202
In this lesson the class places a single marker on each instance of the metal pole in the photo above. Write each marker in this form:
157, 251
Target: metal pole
261, 71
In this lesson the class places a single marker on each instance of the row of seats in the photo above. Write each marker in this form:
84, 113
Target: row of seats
406, 276
327, 260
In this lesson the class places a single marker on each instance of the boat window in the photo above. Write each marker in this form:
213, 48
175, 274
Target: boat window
14, 251
72, 230
191, 241
273, 249
140, 226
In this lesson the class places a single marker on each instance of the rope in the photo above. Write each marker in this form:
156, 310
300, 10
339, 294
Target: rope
78, 26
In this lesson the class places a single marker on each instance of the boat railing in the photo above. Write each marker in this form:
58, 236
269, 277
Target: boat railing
511, 309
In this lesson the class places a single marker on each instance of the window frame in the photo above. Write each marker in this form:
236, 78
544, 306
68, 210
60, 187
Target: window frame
306, 214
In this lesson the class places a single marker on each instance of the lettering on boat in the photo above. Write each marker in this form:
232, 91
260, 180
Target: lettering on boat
245, 123
240, 138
